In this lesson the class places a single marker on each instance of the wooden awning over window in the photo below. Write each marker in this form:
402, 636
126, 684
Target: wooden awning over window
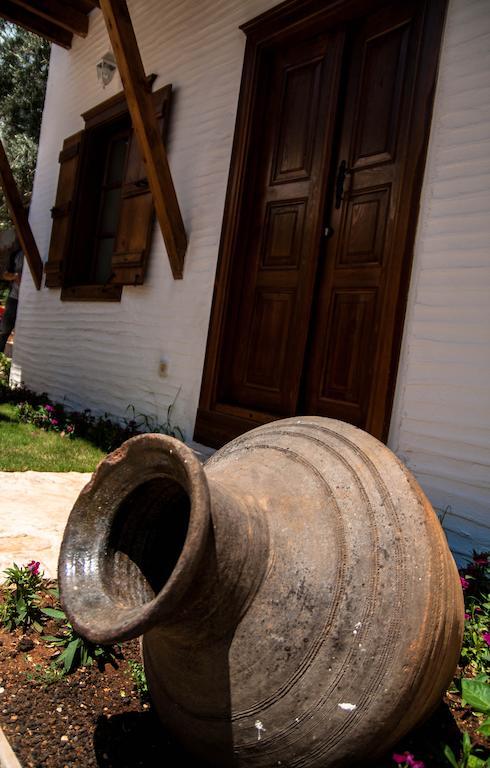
56, 20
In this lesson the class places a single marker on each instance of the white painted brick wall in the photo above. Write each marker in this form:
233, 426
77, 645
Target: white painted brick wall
106, 356
441, 420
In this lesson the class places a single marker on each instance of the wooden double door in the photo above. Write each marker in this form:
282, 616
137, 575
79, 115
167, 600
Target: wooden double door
319, 225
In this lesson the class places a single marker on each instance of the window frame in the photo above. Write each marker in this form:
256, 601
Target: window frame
131, 244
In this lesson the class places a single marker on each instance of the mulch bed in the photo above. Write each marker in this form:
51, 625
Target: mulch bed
96, 718
88, 718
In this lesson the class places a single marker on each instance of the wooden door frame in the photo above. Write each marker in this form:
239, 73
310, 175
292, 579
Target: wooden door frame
215, 425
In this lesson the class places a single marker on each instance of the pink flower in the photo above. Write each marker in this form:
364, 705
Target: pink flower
464, 582
54, 422
466, 616
486, 637
408, 759
34, 567
480, 561
49, 408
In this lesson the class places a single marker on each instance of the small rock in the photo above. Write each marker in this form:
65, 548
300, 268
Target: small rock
25, 644
64, 738
14, 718
2, 690
59, 709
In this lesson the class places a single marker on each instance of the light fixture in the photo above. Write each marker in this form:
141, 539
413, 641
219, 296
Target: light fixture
106, 68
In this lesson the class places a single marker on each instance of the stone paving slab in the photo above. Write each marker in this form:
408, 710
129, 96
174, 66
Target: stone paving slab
34, 508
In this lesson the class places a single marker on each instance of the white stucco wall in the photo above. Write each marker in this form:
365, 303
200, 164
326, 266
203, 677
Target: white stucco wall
441, 421
106, 356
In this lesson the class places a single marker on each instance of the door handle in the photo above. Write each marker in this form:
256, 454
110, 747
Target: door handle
339, 184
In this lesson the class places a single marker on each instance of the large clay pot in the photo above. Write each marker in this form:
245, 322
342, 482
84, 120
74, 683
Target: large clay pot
298, 602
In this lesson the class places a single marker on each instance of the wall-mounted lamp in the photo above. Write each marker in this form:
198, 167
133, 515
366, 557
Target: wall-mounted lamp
106, 68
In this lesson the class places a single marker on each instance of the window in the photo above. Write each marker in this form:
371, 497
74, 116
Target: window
103, 216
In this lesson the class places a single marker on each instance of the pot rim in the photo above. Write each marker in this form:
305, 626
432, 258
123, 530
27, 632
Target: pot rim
85, 594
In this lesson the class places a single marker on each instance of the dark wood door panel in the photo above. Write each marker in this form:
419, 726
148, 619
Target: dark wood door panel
349, 349
352, 338
275, 263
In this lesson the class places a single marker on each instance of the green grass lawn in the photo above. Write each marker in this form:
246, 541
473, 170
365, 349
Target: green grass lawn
24, 446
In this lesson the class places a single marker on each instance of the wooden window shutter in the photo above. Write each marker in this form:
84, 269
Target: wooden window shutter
69, 160
133, 238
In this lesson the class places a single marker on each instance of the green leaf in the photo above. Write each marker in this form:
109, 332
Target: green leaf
68, 655
449, 755
484, 728
466, 745
54, 613
53, 640
476, 762
476, 694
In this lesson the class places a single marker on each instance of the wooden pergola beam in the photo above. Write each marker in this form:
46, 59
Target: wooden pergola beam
19, 217
60, 13
140, 105
12, 12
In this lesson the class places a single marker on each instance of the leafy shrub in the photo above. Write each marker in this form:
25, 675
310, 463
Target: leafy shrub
103, 431
5, 363
21, 606
76, 651
48, 417
475, 580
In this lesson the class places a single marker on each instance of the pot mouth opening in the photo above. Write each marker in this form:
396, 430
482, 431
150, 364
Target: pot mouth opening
134, 540
146, 540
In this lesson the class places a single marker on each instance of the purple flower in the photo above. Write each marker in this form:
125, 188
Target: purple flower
464, 582
466, 616
486, 637
54, 422
33, 566
49, 408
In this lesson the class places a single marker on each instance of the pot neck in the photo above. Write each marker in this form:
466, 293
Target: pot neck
150, 542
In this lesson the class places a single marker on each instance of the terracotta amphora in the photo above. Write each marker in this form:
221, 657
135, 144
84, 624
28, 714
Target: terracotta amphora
297, 599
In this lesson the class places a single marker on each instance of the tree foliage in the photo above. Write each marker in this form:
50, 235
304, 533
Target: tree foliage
24, 60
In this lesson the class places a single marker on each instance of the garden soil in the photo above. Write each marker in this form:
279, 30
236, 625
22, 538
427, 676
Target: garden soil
96, 718
88, 718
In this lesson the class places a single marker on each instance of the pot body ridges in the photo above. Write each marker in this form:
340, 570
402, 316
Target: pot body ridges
324, 617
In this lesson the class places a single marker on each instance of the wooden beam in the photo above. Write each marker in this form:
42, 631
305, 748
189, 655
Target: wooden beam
59, 13
140, 105
12, 12
19, 217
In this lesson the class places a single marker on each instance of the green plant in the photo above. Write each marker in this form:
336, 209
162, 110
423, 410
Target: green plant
46, 676
5, 363
21, 605
139, 678
468, 758
475, 693
75, 650
475, 581
152, 424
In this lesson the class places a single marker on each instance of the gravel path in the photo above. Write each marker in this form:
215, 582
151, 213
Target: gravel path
34, 508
